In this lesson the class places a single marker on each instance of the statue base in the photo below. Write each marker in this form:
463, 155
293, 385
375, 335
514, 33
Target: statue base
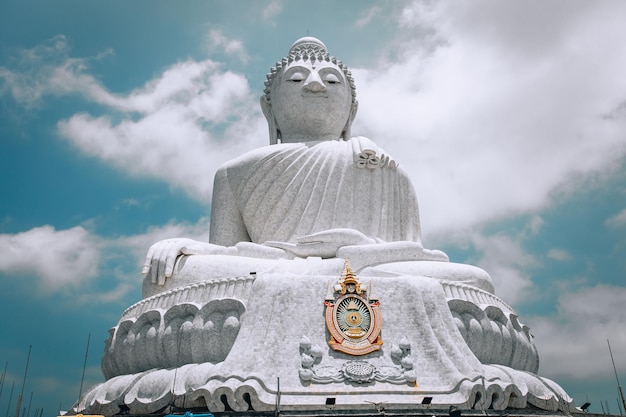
263, 341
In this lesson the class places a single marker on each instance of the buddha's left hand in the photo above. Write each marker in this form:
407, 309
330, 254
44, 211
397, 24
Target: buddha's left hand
324, 244
162, 256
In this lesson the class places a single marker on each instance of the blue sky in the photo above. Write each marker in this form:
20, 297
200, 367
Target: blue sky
510, 118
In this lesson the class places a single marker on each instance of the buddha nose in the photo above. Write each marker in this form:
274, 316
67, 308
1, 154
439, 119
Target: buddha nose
314, 83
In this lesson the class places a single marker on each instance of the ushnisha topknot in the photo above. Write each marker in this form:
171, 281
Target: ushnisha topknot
307, 49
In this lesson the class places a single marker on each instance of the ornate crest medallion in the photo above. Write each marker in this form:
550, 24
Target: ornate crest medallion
352, 316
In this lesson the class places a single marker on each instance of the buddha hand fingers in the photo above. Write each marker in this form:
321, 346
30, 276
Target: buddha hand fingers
148, 261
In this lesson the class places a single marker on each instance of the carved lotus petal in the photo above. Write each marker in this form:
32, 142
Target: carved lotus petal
306, 374
405, 345
317, 351
396, 352
406, 363
410, 376
305, 343
306, 360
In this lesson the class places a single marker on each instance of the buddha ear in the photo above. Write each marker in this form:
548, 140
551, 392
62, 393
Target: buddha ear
266, 108
346, 130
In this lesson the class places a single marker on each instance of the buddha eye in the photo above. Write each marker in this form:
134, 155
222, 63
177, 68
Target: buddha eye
331, 78
296, 77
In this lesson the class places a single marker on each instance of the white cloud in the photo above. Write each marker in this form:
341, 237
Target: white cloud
572, 343
217, 40
57, 257
559, 254
116, 294
507, 263
166, 144
62, 260
130, 202
272, 9
178, 127
186, 123
619, 220
534, 225
47, 69
489, 118
367, 16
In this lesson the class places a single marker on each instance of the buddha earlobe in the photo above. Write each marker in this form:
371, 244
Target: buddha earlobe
266, 108
346, 134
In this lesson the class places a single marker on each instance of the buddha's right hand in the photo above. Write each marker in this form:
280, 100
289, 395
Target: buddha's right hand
162, 256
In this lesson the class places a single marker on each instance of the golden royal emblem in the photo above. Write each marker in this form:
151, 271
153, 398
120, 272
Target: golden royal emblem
352, 316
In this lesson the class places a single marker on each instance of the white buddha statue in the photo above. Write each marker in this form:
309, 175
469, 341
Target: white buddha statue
314, 191
220, 321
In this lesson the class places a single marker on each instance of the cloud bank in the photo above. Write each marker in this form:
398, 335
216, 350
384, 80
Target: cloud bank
569, 341
64, 261
491, 117
178, 127
56, 257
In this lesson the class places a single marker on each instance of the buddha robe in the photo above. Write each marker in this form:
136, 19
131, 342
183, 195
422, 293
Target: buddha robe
285, 191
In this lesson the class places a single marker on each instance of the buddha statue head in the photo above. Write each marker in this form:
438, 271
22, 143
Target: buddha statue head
309, 96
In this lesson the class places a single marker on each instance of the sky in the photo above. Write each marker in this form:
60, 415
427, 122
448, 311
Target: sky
510, 118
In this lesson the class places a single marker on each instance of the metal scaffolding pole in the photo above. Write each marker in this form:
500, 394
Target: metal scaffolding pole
619, 387
19, 398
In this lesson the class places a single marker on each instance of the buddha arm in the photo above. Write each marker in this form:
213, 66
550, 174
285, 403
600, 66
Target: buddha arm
227, 226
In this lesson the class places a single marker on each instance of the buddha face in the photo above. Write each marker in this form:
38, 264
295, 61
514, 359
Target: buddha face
311, 100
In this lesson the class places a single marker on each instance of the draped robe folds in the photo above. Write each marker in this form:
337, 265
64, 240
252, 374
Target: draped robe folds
286, 191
